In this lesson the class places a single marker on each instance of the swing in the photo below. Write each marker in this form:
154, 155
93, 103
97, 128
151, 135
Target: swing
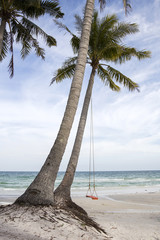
91, 194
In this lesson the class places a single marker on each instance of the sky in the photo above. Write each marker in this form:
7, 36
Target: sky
126, 124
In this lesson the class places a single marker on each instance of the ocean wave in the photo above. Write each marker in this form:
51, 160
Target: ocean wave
19, 181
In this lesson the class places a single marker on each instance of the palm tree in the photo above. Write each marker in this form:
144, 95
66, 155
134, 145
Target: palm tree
105, 46
16, 25
41, 189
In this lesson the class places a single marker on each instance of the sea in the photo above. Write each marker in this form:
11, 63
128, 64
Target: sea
13, 184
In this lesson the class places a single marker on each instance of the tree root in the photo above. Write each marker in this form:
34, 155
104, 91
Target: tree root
69, 208
79, 213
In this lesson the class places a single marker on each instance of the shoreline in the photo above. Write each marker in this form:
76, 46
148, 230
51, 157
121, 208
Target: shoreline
103, 193
141, 198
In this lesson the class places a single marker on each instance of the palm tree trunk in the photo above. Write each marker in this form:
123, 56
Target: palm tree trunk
2, 29
41, 189
62, 193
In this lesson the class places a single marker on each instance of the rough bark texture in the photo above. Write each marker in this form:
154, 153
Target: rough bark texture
41, 189
2, 28
62, 193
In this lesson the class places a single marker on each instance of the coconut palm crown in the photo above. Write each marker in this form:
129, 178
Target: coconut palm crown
105, 46
16, 25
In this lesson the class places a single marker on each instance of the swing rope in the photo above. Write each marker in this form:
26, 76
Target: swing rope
92, 194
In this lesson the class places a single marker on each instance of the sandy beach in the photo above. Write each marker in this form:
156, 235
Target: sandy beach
124, 217
127, 217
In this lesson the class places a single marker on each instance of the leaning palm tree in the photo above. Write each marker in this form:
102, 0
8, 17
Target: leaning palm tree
41, 189
105, 46
16, 24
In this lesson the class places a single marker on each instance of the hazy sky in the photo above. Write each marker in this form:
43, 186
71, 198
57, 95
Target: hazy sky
126, 124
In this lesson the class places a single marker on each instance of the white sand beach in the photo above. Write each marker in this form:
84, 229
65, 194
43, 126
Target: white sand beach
124, 217
127, 217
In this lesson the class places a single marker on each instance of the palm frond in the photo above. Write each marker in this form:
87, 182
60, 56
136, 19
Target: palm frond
105, 29
40, 52
11, 67
27, 45
127, 6
70, 61
78, 23
109, 52
36, 8
63, 72
102, 4
121, 78
108, 32
26, 39
126, 53
11, 63
24, 30
107, 79
122, 29
4, 46
107, 23
28, 8
2, 4
52, 8
143, 54
34, 29
26, 48
94, 32
10, 45
62, 26
75, 42
25, 3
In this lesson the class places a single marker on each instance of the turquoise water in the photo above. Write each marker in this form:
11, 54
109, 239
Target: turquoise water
15, 183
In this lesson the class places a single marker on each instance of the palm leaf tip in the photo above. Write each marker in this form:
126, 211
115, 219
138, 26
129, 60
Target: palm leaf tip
66, 71
127, 6
102, 4
144, 54
52, 8
121, 78
51, 41
52, 81
11, 67
107, 79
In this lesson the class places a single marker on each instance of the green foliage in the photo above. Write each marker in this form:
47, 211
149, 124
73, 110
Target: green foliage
37, 8
18, 15
107, 79
127, 6
78, 23
66, 71
75, 42
119, 77
126, 53
105, 46
5, 45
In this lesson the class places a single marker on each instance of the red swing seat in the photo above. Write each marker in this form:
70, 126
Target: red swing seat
94, 198
89, 196
92, 195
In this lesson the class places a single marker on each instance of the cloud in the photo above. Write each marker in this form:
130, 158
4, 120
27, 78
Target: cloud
126, 125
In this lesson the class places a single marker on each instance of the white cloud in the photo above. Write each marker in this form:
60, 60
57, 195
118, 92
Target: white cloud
126, 125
